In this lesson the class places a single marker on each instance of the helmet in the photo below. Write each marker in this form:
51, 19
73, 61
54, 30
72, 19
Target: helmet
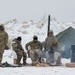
35, 37
19, 38
1, 27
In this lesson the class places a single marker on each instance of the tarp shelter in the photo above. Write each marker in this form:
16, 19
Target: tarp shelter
66, 38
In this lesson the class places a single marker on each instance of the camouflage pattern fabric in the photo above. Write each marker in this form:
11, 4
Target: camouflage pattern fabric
17, 47
3, 42
48, 42
34, 45
35, 54
35, 50
54, 58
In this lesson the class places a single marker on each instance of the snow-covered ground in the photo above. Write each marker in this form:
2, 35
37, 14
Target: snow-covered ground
55, 70
26, 30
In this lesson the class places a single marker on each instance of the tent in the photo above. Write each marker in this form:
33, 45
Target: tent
66, 38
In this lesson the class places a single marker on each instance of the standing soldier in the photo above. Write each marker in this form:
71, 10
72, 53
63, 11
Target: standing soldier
17, 47
35, 49
3, 41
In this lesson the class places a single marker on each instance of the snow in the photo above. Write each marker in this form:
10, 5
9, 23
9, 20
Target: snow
37, 71
52, 70
56, 70
26, 31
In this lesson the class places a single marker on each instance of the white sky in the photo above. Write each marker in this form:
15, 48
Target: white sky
62, 10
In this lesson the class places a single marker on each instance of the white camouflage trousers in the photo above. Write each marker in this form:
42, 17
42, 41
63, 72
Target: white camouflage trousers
52, 58
35, 54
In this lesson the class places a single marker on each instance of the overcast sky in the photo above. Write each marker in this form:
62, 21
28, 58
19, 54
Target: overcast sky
62, 10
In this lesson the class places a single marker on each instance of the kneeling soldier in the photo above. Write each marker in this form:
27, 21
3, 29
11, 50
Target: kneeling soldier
35, 49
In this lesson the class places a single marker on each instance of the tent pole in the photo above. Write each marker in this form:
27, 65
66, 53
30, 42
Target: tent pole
48, 25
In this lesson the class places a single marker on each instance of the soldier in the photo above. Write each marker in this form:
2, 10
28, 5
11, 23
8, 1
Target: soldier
48, 43
3, 41
35, 49
17, 47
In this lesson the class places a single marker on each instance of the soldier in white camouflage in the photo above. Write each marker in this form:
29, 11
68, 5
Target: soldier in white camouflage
48, 44
3, 41
17, 47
